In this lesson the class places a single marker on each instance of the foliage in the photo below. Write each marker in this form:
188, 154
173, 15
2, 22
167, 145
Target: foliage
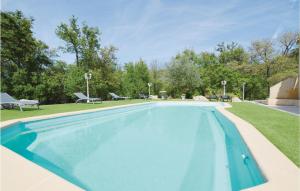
182, 74
84, 41
71, 35
29, 70
156, 78
135, 79
23, 58
52, 86
74, 80
281, 76
232, 53
287, 41
206, 58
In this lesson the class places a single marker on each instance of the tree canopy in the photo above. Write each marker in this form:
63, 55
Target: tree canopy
29, 69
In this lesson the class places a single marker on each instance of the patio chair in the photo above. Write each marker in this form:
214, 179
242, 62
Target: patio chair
83, 97
116, 97
143, 96
213, 97
226, 98
6, 99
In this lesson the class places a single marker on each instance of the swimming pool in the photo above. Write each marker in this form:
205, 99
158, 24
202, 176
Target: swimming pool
156, 146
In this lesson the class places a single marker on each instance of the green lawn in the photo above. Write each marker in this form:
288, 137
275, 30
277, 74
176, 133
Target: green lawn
281, 128
60, 108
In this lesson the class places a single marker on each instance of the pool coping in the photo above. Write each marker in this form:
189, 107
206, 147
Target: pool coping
280, 172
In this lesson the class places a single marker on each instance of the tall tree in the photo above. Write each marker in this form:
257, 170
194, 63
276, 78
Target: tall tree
262, 51
109, 73
156, 77
207, 58
183, 75
221, 47
71, 34
287, 41
232, 53
23, 57
51, 88
90, 46
136, 77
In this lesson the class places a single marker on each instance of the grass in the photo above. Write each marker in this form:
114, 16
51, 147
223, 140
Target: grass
60, 108
281, 128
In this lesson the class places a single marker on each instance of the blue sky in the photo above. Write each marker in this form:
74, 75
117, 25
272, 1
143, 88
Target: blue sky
159, 29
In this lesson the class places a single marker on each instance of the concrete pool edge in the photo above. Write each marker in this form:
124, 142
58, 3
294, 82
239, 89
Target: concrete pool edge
40, 117
280, 172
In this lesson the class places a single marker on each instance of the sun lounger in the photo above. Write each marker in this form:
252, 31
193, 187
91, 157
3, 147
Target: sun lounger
6, 99
116, 97
83, 97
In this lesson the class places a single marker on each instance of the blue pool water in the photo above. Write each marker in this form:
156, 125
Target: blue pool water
155, 147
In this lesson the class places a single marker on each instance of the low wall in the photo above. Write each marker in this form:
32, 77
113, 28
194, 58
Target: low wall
286, 89
285, 92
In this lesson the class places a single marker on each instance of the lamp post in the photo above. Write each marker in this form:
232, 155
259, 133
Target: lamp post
223, 82
87, 77
244, 91
149, 85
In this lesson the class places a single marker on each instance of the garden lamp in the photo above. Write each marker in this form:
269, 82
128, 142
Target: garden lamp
87, 77
223, 82
149, 85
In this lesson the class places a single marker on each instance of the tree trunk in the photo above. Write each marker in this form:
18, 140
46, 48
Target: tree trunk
77, 57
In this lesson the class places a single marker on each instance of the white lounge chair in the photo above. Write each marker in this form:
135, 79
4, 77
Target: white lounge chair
6, 99
83, 97
116, 97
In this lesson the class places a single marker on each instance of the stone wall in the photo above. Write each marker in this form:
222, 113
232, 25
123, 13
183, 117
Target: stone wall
285, 92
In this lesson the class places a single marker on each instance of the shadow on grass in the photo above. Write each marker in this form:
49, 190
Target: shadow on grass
83, 103
23, 108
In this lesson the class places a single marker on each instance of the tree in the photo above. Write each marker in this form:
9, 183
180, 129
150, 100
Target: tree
233, 54
183, 75
109, 75
156, 77
28, 69
287, 41
71, 34
84, 41
16, 36
283, 67
91, 57
263, 52
221, 47
23, 58
136, 78
207, 58
74, 80
51, 88
90, 46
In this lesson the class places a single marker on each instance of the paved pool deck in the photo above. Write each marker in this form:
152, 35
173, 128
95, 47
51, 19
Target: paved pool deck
18, 173
290, 109
294, 110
